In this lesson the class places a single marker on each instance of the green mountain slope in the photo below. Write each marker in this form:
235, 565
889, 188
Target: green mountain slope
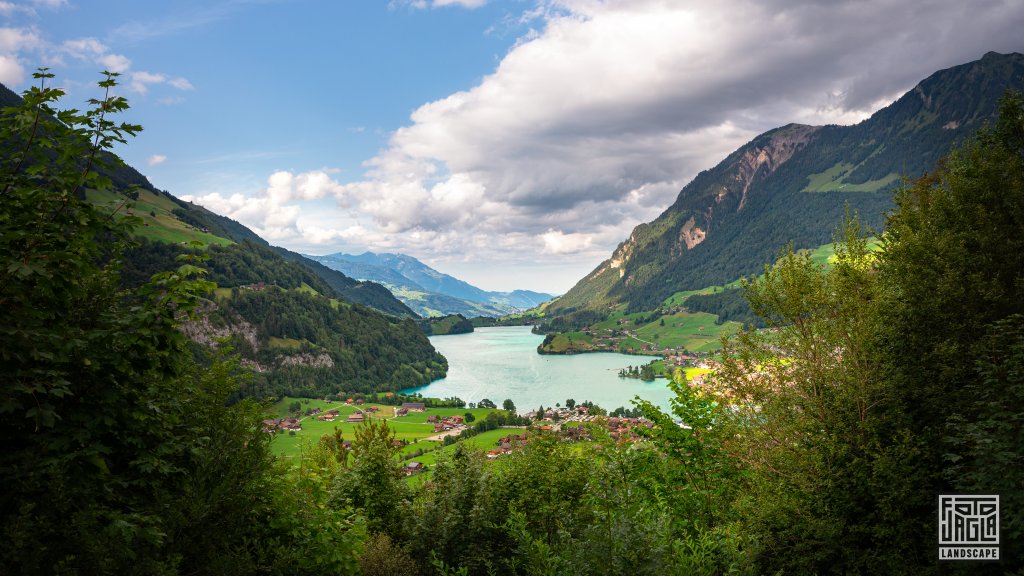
303, 328
790, 184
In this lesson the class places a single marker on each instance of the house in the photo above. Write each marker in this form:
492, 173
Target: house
269, 425
355, 418
372, 409
431, 418
401, 411
456, 419
328, 417
290, 424
414, 406
360, 401
414, 468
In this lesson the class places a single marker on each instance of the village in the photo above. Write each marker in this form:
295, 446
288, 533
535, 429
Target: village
422, 432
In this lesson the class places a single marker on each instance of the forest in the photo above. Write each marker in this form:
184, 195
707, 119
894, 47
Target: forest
820, 446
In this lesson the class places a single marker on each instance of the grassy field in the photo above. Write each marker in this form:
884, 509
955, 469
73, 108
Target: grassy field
679, 298
833, 180
695, 331
158, 221
421, 417
412, 427
484, 441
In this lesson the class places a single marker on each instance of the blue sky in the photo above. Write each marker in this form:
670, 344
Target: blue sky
512, 143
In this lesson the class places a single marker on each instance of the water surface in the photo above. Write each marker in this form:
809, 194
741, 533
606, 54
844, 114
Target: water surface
502, 362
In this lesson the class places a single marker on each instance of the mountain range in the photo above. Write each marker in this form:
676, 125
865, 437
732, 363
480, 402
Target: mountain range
427, 291
790, 185
308, 327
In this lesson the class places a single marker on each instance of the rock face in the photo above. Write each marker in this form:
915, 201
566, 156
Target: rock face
321, 360
691, 220
204, 330
792, 185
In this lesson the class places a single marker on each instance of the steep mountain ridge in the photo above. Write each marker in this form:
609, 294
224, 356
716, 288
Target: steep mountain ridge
792, 184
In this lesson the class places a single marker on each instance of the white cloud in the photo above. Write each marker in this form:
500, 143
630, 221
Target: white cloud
84, 48
115, 63
156, 159
13, 43
423, 4
603, 110
10, 9
463, 3
181, 84
595, 119
18, 39
50, 4
556, 242
141, 81
11, 71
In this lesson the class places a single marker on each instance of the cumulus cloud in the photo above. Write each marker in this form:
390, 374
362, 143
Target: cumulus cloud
557, 242
18, 39
600, 116
273, 212
14, 42
156, 159
604, 109
115, 63
11, 71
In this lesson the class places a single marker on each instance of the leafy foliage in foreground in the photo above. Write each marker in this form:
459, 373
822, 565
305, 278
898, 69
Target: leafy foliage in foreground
121, 453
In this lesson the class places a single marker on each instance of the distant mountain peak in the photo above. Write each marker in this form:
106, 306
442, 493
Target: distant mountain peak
428, 291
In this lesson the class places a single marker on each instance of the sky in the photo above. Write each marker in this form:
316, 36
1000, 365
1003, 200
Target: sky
510, 143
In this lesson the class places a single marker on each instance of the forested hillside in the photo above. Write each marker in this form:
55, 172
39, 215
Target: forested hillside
349, 334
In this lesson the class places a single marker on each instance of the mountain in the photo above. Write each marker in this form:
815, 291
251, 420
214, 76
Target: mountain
304, 329
427, 291
789, 185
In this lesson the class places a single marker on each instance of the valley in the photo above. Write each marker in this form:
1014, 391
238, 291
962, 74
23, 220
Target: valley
728, 392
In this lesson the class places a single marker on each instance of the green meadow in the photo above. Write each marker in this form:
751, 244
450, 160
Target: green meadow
413, 427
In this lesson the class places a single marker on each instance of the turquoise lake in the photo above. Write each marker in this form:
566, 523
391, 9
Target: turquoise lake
502, 362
